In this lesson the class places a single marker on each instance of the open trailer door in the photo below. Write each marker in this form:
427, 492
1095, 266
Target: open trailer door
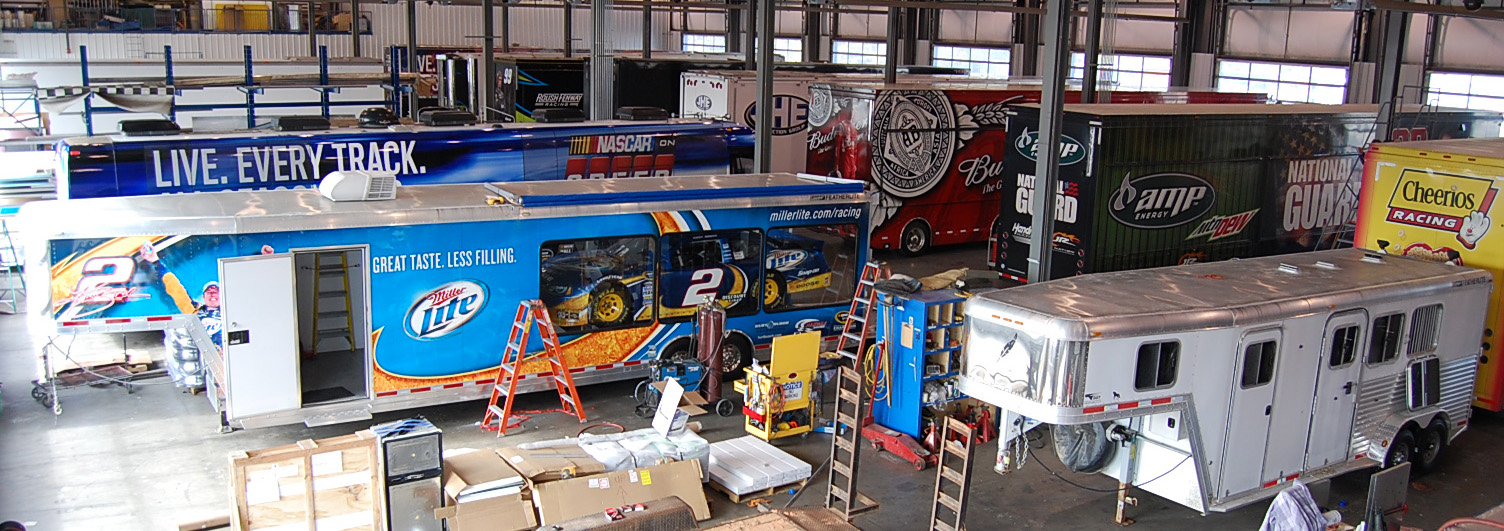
261, 335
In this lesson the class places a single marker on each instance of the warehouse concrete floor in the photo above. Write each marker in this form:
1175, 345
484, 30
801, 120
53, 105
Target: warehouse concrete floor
152, 459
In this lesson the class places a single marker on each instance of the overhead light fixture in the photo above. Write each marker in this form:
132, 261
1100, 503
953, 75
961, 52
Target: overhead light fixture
1472, 5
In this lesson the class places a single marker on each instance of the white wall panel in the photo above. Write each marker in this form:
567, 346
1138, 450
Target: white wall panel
703, 22
789, 23
1472, 44
976, 26
1137, 35
1296, 35
863, 26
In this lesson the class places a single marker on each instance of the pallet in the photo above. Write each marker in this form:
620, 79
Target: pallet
737, 498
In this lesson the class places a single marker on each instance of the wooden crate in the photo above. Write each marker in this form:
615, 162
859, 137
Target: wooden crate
269, 487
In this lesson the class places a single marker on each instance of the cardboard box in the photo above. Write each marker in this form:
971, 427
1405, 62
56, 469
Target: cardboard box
473, 474
562, 500
505, 513
484, 493
271, 487
543, 465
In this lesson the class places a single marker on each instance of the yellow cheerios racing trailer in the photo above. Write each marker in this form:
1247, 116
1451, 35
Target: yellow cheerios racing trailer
1438, 199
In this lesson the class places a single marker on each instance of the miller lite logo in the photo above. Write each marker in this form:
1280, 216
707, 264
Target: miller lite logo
445, 309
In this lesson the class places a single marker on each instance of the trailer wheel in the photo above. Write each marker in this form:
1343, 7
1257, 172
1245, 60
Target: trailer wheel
915, 239
1402, 450
1431, 447
736, 353
610, 305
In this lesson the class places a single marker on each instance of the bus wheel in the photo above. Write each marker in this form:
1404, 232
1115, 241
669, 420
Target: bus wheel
1402, 450
1431, 446
774, 290
915, 239
610, 305
736, 354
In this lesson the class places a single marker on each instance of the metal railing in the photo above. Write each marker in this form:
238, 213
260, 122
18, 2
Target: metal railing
266, 17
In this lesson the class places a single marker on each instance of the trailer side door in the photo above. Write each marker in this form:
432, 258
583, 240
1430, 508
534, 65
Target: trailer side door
1248, 414
261, 335
1336, 393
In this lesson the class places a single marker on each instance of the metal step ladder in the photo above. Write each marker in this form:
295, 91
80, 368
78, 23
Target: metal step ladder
331, 283
949, 511
505, 387
845, 445
13, 289
861, 313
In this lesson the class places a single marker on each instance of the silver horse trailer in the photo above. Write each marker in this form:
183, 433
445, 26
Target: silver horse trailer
1215, 384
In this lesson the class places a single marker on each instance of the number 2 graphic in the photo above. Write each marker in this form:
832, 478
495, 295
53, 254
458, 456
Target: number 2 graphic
702, 286
99, 273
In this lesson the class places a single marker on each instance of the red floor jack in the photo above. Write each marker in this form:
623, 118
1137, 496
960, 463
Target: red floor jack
899, 444
982, 424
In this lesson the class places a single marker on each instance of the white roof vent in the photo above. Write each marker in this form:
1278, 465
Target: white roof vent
359, 186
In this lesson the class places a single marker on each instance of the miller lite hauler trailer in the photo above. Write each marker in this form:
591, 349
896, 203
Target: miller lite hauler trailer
934, 153
1438, 200
1214, 385
1157, 185
309, 310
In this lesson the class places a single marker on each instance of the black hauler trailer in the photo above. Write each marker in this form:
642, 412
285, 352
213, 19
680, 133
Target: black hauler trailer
1158, 185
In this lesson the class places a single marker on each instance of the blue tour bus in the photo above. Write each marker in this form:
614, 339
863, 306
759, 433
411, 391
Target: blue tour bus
435, 277
121, 165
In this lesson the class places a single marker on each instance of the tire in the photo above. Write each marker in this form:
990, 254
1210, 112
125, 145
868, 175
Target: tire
775, 290
681, 349
1431, 446
735, 347
610, 305
1402, 450
1083, 448
725, 407
915, 238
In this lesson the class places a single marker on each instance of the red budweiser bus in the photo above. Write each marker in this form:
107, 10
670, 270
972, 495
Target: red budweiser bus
934, 154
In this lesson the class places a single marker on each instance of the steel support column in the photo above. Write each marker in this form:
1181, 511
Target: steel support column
890, 63
602, 62
487, 84
1089, 81
812, 22
1387, 90
1024, 61
762, 124
1057, 48
354, 28
647, 30
568, 28
313, 34
412, 58
749, 37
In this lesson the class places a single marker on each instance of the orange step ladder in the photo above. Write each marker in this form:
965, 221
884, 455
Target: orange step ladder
505, 387
861, 312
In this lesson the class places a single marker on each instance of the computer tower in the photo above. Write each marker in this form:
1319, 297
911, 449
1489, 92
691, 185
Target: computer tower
412, 471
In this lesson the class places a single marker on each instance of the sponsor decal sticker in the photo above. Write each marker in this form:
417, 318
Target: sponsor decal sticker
445, 309
1218, 227
790, 115
1071, 150
1448, 203
913, 141
1161, 200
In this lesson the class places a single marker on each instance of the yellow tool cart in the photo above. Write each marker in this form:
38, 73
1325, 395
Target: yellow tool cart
777, 399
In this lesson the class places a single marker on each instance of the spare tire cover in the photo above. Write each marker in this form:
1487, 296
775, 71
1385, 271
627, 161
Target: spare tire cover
1083, 448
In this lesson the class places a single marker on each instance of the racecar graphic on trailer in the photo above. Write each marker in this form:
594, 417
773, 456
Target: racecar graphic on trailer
796, 264
722, 265
597, 287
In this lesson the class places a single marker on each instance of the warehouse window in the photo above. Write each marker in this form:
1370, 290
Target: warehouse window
1344, 346
791, 48
989, 63
1126, 72
859, 52
703, 43
1157, 363
1384, 343
1467, 91
1425, 324
1258, 364
1286, 83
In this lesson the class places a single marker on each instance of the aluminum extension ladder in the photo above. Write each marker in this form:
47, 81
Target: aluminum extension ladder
948, 513
505, 386
845, 445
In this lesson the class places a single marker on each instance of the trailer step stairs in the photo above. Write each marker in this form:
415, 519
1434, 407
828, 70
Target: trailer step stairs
845, 446
861, 313
333, 322
949, 510
505, 386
